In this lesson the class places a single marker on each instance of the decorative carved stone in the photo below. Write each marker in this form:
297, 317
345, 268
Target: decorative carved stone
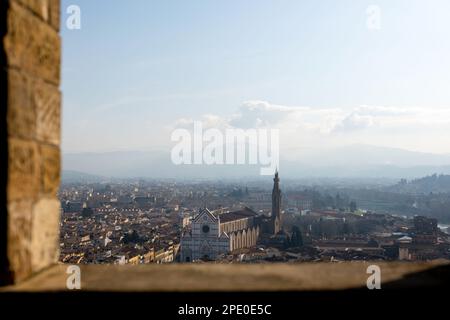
39, 7
23, 169
50, 170
45, 233
47, 100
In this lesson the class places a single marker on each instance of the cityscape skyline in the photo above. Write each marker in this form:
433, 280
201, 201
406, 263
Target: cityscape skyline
206, 158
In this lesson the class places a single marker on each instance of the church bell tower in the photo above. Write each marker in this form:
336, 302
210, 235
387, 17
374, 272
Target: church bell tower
276, 204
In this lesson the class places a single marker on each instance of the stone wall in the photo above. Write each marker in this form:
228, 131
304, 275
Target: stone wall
31, 102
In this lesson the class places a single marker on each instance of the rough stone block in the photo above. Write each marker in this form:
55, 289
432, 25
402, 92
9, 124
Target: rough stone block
45, 233
23, 169
19, 238
21, 117
50, 169
47, 10
32, 44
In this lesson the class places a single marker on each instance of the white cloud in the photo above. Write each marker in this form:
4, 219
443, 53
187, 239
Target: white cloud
414, 128
207, 120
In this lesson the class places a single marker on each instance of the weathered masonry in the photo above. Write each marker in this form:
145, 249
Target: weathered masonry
30, 134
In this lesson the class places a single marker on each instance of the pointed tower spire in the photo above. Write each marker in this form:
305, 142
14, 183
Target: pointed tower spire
276, 203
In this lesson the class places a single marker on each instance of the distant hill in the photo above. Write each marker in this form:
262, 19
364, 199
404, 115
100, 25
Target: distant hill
148, 164
434, 183
71, 176
355, 161
363, 156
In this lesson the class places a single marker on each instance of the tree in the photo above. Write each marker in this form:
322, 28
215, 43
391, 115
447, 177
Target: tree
296, 237
338, 201
353, 206
87, 212
131, 237
346, 228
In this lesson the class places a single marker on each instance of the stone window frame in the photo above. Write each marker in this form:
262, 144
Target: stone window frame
30, 155
31, 134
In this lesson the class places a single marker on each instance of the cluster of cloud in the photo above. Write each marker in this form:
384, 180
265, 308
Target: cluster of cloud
257, 114
372, 124
393, 117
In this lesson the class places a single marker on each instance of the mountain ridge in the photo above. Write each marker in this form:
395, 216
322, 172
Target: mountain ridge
347, 161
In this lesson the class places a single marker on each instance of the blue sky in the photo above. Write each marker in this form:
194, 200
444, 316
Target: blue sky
136, 68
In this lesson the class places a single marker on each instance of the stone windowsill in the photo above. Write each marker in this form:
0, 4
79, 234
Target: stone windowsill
233, 277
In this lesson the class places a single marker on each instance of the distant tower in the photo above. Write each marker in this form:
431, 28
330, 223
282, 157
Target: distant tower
276, 204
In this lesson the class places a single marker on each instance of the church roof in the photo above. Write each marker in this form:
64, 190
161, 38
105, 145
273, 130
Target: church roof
203, 212
237, 215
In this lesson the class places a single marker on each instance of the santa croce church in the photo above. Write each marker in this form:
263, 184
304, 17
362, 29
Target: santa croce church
212, 234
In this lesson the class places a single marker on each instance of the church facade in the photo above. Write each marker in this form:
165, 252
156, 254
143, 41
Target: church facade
205, 240
212, 234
